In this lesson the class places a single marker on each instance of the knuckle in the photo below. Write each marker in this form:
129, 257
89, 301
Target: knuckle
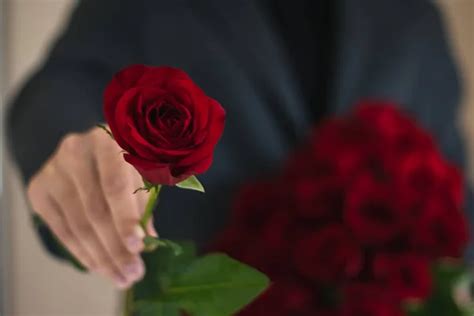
96, 133
67, 194
71, 144
33, 189
115, 185
36, 198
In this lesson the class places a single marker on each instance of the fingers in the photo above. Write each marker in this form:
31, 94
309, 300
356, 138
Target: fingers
43, 204
118, 182
68, 199
84, 194
97, 215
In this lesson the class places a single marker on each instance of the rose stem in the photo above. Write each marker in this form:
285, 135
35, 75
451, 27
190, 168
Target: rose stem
150, 206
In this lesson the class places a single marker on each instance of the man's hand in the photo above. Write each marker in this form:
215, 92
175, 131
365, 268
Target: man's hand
84, 194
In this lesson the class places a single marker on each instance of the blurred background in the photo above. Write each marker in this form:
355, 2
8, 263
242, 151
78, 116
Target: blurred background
26, 29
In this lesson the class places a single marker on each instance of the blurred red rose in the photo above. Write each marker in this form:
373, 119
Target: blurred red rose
328, 255
371, 212
420, 175
366, 299
442, 230
317, 198
362, 211
164, 121
399, 131
347, 146
407, 276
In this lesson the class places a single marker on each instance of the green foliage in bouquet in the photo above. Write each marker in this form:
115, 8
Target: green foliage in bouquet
452, 293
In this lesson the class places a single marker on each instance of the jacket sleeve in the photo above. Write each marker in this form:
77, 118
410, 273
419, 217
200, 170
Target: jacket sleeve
65, 93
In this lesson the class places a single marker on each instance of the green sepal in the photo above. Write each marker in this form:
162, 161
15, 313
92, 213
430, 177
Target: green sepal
191, 183
147, 186
106, 129
151, 243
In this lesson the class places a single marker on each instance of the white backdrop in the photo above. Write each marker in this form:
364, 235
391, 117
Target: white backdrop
38, 285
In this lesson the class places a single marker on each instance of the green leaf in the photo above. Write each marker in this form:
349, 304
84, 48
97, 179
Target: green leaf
161, 266
191, 183
216, 285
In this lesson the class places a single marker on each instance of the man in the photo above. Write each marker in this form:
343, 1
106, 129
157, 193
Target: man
276, 66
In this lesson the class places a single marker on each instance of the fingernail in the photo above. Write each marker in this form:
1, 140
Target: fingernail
134, 244
138, 230
121, 282
135, 241
134, 271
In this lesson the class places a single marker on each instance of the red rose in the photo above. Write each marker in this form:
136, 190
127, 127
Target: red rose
406, 276
371, 212
422, 174
328, 255
165, 123
400, 132
442, 229
347, 146
366, 299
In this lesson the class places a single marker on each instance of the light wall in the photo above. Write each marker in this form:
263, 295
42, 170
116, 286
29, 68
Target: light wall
39, 285
459, 15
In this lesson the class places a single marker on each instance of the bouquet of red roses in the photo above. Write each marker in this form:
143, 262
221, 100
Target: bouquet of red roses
367, 219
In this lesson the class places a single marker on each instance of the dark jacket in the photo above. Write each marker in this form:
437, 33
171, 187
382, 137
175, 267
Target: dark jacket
237, 51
